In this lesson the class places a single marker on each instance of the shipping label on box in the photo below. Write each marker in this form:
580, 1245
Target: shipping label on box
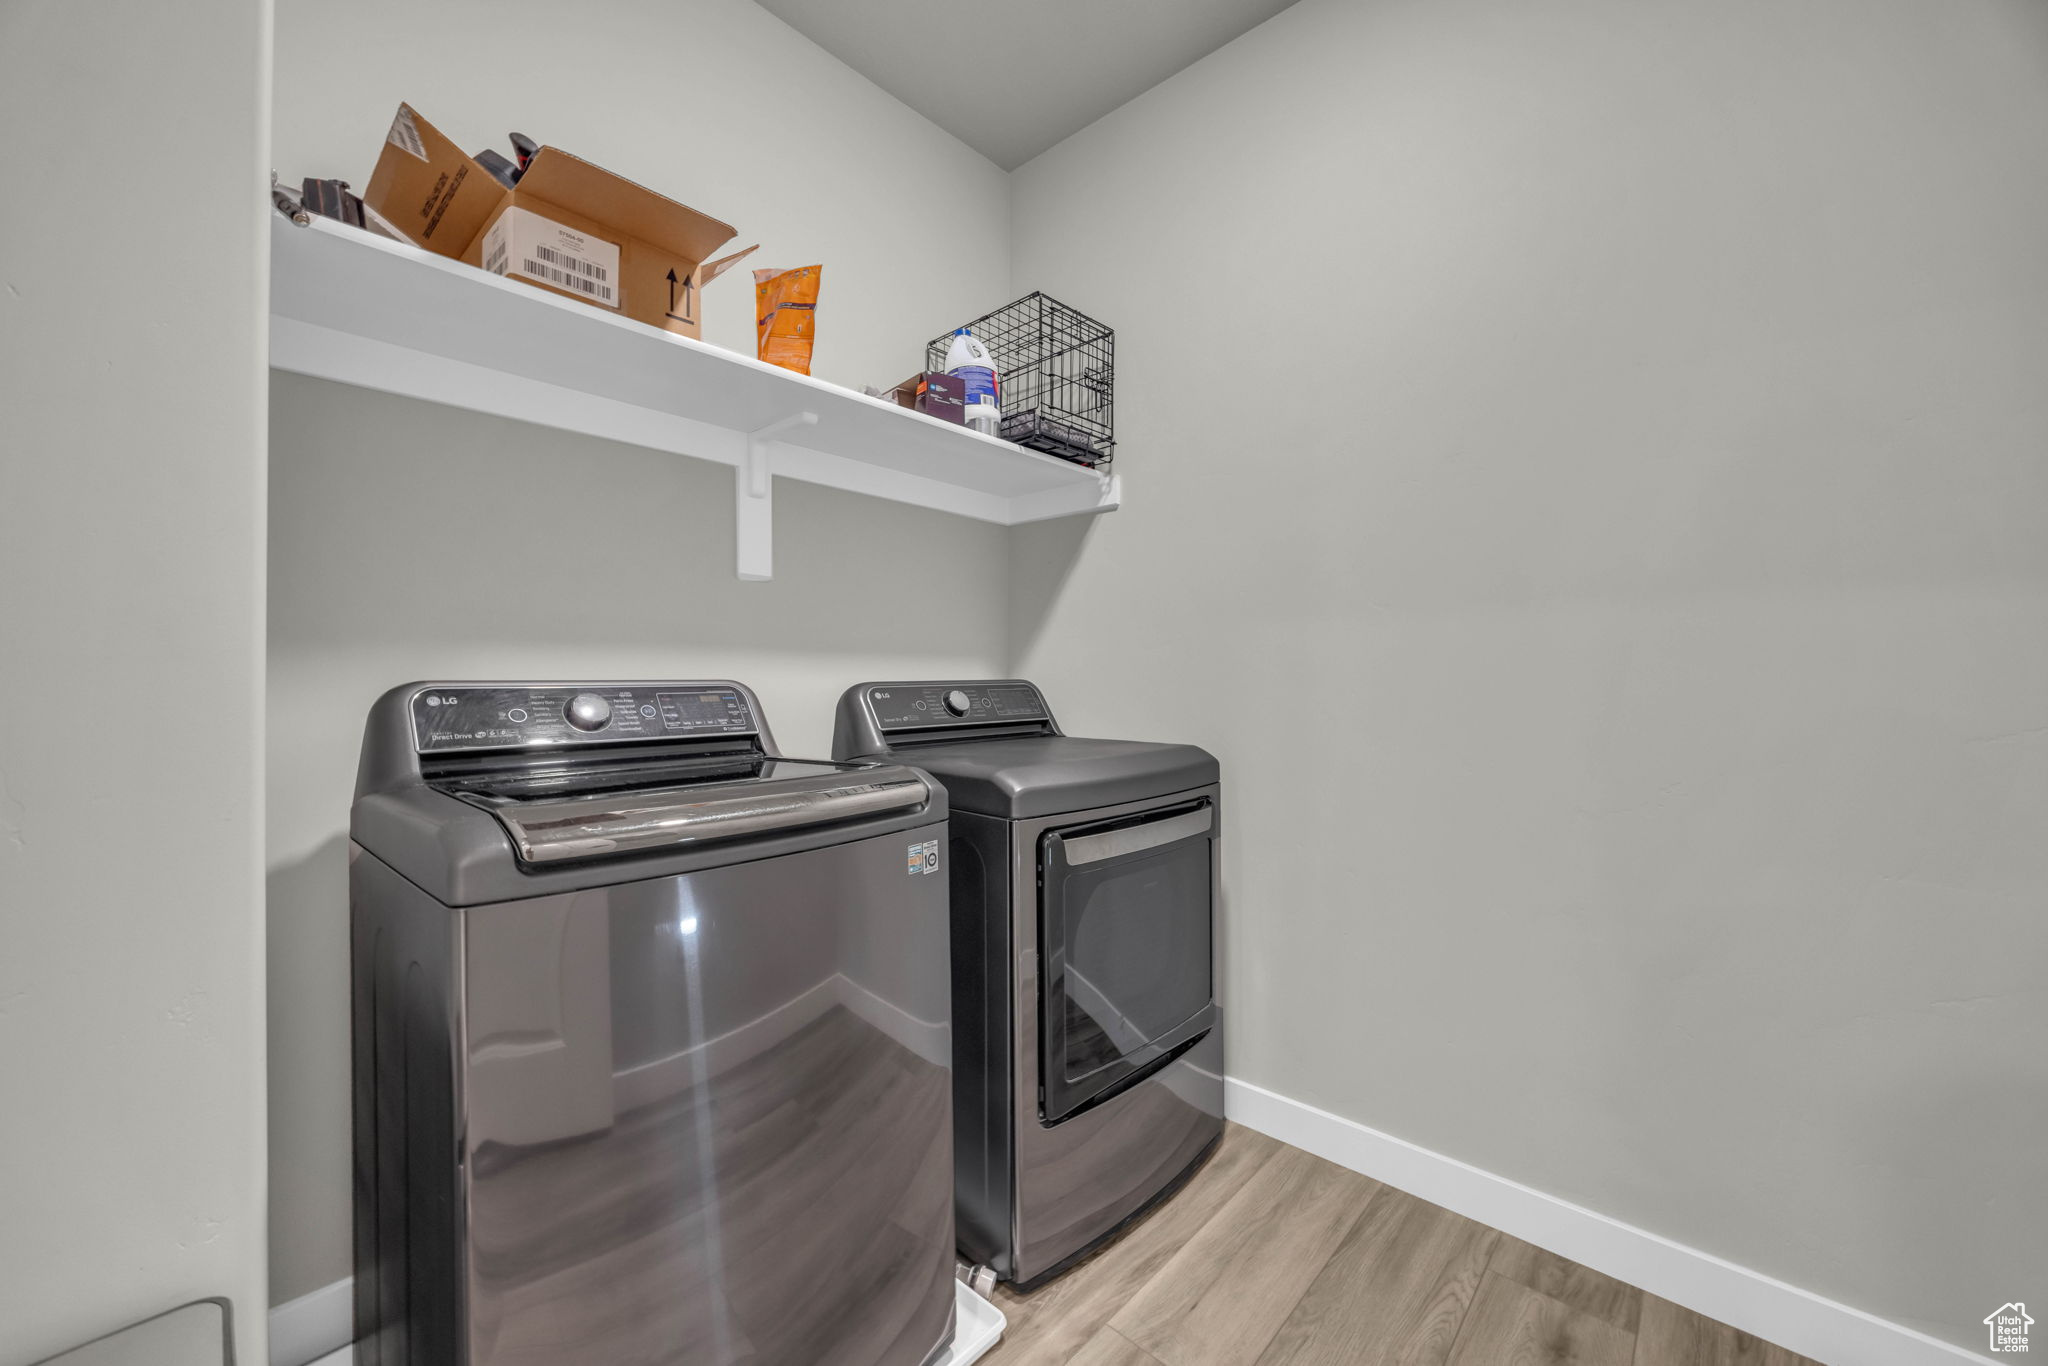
405, 133
524, 243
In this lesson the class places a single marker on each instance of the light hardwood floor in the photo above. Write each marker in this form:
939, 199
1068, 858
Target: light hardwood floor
1271, 1257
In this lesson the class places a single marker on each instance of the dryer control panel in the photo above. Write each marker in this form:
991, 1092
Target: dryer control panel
456, 717
921, 706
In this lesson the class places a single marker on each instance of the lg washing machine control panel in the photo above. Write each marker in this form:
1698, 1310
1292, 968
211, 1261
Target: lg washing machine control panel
462, 718
919, 706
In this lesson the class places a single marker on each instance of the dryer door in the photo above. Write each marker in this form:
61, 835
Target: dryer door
1126, 934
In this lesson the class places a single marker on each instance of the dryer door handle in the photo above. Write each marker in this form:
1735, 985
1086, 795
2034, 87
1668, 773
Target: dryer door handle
1135, 839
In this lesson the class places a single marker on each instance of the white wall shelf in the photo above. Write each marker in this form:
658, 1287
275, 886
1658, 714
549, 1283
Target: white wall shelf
351, 306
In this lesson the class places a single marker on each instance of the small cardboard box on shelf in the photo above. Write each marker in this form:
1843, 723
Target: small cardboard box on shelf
568, 226
943, 396
928, 391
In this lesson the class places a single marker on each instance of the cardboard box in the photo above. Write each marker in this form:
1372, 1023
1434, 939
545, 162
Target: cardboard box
930, 391
943, 396
568, 226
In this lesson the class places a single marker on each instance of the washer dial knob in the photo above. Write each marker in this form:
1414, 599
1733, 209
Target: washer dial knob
958, 702
588, 711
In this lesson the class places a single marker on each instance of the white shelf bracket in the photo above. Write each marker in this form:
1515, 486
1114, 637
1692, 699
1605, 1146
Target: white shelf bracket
754, 497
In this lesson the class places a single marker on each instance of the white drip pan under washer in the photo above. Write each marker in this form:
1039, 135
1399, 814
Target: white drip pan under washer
978, 1326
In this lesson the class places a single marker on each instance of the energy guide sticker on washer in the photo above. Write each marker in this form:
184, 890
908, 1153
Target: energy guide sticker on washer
924, 858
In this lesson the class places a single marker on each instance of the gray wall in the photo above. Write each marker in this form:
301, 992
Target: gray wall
132, 274
568, 556
1618, 432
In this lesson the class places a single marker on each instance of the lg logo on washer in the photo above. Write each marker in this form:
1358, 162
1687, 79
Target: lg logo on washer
924, 858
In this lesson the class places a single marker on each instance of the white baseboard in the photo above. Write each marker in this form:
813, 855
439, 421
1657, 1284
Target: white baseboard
310, 1327
1755, 1303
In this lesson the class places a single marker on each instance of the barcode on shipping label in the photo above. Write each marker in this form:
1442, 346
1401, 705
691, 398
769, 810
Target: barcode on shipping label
568, 272
406, 134
523, 243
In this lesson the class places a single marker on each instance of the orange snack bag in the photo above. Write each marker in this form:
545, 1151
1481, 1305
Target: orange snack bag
785, 316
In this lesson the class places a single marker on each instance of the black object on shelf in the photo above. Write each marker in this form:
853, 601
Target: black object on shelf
507, 173
1056, 367
332, 199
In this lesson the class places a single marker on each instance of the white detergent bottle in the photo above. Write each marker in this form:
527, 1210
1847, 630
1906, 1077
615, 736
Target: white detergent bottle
969, 360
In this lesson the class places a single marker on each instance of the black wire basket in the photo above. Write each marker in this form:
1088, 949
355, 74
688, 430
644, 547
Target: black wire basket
1056, 368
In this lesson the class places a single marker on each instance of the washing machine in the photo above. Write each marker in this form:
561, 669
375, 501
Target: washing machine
652, 1041
1088, 1039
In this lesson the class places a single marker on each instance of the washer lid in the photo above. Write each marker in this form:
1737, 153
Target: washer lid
1032, 775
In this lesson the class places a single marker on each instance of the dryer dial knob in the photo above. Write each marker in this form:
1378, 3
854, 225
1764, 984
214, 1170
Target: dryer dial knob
588, 711
958, 702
